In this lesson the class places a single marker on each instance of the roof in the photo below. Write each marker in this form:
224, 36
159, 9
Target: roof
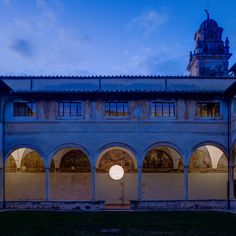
4, 86
128, 84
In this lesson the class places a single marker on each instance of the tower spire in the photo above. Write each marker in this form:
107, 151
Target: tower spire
208, 14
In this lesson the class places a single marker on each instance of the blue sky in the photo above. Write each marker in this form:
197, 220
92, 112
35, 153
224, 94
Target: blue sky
105, 37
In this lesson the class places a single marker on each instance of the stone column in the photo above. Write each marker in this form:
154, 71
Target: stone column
93, 197
185, 183
2, 187
140, 197
47, 192
231, 182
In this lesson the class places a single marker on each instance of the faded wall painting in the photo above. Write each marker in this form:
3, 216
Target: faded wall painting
116, 157
222, 165
10, 164
200, 162
32, 162
157, 161
75, 161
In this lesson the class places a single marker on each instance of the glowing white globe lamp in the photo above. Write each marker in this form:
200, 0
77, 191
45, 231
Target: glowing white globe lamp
116, 172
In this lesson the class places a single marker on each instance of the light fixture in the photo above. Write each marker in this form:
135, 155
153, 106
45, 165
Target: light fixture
116, 172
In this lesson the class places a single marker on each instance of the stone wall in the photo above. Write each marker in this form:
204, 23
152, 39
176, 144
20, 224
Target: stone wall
56, 205
162, 186
116, 192
208, 185
179, 205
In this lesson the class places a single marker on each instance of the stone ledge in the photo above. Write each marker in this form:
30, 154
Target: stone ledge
179, 205
56, 205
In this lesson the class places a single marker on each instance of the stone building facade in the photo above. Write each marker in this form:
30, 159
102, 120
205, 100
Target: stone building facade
145, 142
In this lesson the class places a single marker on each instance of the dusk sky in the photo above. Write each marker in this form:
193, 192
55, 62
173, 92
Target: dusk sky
105, 37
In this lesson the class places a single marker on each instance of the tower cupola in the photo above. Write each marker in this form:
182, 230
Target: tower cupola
211, 54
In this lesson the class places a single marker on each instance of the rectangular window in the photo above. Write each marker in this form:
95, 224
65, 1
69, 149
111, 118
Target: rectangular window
116, 109
163, 109
70, 109
24, 109
208, 109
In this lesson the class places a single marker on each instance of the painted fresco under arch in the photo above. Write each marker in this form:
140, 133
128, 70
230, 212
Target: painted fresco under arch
10, 164
32, 162
75, 161
200, 162
158, 160
116, 157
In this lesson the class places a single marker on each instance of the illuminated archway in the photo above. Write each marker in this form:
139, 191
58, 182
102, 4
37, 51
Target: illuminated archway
24, 175
208, 173
70, 175
116, 190
162, 174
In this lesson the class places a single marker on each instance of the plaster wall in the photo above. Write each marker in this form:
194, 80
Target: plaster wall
25, 186
70, 186
116, 192
208, 185
163, 186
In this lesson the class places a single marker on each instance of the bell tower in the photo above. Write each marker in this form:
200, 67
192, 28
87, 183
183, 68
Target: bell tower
211, 54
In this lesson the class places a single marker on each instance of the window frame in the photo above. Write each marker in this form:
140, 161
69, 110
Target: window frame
25, 116
116, 102
65, 117
162, 102
208, 117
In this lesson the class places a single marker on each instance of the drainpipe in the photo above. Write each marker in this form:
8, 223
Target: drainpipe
228, 150
3, 149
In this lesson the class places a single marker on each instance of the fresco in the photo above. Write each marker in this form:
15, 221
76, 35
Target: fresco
157, 160
32, 162
222, 164
116, 157
10, 164
75, 161
200, 161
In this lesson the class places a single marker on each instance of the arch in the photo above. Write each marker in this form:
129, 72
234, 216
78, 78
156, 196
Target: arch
28, 146
205, 143
27, 182
70, 173
118, 146
72, 146
162, 144
162, 172
207, 176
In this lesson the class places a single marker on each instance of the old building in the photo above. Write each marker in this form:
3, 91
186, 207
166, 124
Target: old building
152, 141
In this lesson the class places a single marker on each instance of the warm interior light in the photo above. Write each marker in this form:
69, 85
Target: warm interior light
116, 172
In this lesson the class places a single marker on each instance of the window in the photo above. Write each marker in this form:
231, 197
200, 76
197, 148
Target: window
116, 109
208, 109
70, 109
163, 109
24, 109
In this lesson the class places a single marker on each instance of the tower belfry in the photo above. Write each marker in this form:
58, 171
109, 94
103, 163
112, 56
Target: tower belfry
211, 54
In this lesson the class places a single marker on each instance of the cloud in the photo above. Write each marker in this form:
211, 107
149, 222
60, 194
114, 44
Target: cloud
23, 47
159, 61
40, 44
148, 21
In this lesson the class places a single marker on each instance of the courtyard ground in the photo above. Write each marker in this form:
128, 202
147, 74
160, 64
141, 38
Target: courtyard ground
117, 223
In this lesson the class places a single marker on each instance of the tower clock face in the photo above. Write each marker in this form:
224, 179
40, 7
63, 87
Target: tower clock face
116, 172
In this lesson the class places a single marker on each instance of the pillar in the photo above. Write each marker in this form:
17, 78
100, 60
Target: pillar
231, 182
47, 192
140, 184
186, 183
93, 183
